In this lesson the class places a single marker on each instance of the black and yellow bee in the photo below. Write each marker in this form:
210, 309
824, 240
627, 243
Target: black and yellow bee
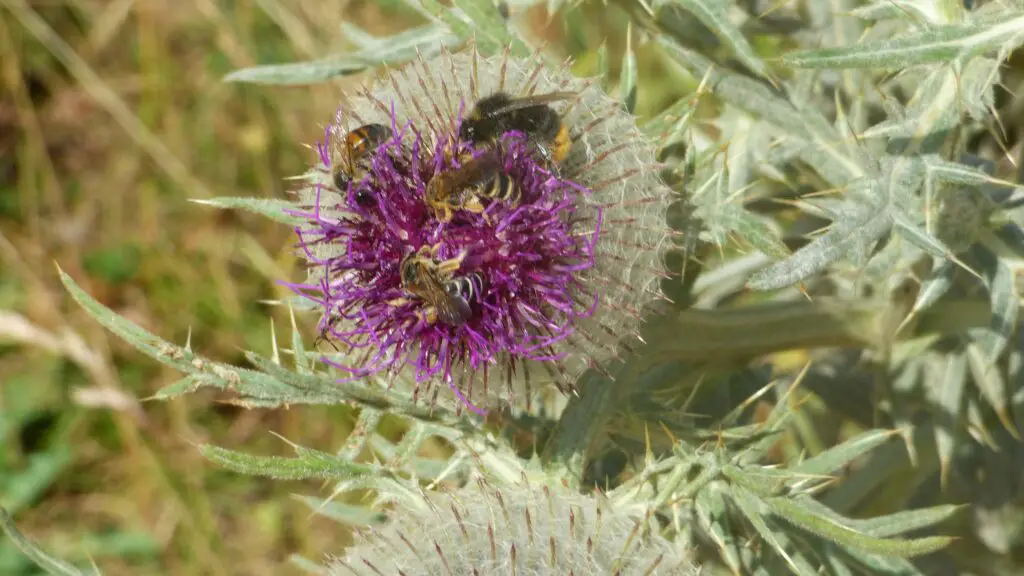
499, 113
446, 297
349, 154
463, 187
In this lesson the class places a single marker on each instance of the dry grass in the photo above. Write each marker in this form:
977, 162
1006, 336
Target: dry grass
112, 115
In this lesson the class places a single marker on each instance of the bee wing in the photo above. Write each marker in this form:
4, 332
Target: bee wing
532, 101
453, 310
473, 170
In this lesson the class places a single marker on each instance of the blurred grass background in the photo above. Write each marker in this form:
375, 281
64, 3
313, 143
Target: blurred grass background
113, 115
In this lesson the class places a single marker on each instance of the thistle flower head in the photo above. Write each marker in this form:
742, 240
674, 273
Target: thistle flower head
524, 528
431, 269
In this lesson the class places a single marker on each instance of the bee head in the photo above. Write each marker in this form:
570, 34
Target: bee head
340, 179
467, 132
409, 271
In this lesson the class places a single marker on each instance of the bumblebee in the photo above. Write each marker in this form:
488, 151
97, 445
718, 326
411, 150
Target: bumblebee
349, 158
446, 298
494, 115
463, 187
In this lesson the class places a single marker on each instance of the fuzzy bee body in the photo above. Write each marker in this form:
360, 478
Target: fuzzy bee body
466, 287
499, 113
445, 296
463, 187
351, 153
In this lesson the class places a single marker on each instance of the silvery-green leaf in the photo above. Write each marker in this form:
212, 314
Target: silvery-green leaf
1006, 241
628, 74
804, 518
43, 560
905, 521
823, 250
186, 385
1002, 289
604, 65
755, 511
713, 516
883, 464
943, 170
714, 15
986, 376
935, 286
293, 73
755, 230
836, 159
309, 464
838, 456
273, 209
490, 30
347, 514
914, 11
397, 49
934, 45
977, 86
307, 565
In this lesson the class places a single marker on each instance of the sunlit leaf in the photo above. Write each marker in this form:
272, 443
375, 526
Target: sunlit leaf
714, 15
933, 45
628, 74
397, 49
273, 209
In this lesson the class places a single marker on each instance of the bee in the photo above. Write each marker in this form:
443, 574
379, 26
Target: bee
499, 113
446, 298
351, 161
463, 187
465, 287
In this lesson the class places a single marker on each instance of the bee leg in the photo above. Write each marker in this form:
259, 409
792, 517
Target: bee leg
398, 302
447, 211
474, 205
449, 267
428, 315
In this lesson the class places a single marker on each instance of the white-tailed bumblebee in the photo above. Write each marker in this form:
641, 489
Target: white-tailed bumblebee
499, 113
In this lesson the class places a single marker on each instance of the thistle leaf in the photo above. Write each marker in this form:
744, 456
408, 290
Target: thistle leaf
905, 521
490, 30
274, 209
358, 516
935, 286
838, 456
43, 560
845, 235
714, 15
806, 519
309, 464
396, 49
628, 74
753, 509
950, 378
933, 45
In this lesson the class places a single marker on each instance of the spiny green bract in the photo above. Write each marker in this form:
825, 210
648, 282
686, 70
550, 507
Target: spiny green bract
523, 529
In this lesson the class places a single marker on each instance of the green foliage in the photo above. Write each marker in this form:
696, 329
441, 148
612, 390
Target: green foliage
847, 200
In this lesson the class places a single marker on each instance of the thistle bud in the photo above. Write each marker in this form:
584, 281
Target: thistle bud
522, 529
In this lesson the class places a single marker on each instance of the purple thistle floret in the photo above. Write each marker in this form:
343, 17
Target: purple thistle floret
526, 261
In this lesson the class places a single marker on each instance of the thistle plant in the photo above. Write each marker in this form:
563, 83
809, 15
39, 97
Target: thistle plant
553, 288
605, 360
